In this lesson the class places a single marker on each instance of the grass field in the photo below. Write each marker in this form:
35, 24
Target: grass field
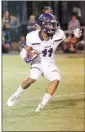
65, 111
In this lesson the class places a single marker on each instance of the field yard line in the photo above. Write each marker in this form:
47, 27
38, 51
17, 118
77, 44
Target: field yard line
57, 96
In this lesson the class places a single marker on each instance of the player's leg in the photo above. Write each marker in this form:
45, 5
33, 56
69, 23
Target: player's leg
14, 98
52, 87
24, 86
47, 96
54, 78
35, 73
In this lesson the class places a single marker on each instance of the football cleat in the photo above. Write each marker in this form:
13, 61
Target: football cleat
39, 108
12, 101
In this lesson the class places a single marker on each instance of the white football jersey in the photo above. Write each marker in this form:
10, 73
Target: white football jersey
46, 49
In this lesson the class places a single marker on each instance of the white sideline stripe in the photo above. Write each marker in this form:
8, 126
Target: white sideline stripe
57, 96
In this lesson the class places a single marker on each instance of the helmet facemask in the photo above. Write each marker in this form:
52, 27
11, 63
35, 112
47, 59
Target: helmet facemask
49, 28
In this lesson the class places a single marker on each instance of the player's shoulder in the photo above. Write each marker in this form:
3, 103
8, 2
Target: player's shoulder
33, 36
60, 31
59, 34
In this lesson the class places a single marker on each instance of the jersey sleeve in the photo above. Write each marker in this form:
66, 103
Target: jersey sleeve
63, 36
28, 41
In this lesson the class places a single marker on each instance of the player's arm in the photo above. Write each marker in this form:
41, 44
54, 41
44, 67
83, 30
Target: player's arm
28, 54
75, 39
24, 53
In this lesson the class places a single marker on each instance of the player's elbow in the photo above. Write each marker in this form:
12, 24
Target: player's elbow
23, 54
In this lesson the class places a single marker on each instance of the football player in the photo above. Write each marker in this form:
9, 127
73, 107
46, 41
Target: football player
40, 50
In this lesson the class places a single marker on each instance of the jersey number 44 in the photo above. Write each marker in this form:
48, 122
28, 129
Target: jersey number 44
47, 52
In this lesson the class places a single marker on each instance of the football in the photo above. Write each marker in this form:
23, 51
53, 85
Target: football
32, 53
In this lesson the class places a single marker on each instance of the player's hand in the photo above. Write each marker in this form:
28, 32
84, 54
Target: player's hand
28, 55
27, 59
77, 32
31, 56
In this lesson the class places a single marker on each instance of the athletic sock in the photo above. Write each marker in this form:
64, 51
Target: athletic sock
19, 91
45, 99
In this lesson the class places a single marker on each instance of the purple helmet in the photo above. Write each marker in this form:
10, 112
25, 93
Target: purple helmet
48, 23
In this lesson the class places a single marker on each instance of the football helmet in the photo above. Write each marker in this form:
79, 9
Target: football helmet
48, 23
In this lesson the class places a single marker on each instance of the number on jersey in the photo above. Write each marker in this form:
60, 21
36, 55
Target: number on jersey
47, 52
